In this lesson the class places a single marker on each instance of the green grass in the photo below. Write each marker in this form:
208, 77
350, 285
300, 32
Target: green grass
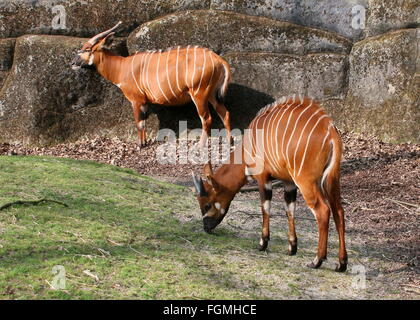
118, 225
140, 239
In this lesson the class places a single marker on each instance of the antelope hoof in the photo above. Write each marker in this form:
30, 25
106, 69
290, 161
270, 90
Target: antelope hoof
142, 144
341, 266
316, 263
262, 246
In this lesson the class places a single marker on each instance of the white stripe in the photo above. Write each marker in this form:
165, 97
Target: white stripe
287, 126
326, 136
141, 72
177, 79
195, 64
293, 132
167, 74
267, 206
202, 73
307, 142
132, 73
212, 72
92, 57
147, 76
157, 77
186, 66
288, 106
143, 69
300, 138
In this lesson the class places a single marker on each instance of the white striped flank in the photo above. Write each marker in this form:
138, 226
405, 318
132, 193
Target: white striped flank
157, 77
307, 142
293, 132
300, 138
134, 77
147, 76
278, 125
167, 74
287, 126
202, 72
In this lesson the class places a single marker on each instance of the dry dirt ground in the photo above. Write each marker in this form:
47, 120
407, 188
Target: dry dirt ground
381, 197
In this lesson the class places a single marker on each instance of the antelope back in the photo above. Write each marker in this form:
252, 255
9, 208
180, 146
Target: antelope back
292, 137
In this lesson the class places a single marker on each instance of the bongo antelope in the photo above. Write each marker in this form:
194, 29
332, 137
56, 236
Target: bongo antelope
292, 140
172, 77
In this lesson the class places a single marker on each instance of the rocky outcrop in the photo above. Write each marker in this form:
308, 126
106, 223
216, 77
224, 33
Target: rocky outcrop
275, 48
384, 87
260, 78
386, 16
44, 101
225, 31
332, 15
83, 18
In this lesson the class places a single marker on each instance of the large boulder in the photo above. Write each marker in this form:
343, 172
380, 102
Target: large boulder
6, 58
332, 15
44, 101
386, 16
384, 87
225, 31
260, 78
83, 18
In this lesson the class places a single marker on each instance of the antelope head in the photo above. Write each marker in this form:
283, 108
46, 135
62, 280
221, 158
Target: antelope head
213, 198
88, 56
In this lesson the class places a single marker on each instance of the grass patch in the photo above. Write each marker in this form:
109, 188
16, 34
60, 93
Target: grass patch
121, 237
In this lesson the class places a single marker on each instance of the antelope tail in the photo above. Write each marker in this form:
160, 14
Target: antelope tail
226, 77
330, 182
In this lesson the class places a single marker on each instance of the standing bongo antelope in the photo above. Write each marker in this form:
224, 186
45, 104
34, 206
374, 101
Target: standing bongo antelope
172, 77
292, 140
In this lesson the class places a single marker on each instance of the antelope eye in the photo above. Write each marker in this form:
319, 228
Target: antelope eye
207, 207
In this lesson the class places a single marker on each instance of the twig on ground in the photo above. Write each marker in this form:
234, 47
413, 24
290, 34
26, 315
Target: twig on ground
404, 204
34, 202
90, 274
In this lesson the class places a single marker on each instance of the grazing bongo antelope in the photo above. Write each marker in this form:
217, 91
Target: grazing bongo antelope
172, 77
292, 140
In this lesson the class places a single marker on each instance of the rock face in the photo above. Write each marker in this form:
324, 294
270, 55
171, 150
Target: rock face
384, 87
332, 15
260, 78
275, 48
6, 58
44, 101
386, 16
228, 31
83, 18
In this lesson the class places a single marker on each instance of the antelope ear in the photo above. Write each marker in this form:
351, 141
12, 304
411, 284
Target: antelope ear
107, 41
208, 170
215, 185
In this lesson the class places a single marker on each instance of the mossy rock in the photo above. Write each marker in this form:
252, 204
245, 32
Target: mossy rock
383, 97
224, 31
83, 18
44, 101
331, 15
385, 16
